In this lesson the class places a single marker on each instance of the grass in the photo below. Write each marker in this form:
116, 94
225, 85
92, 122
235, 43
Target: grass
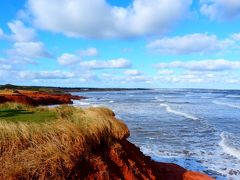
50, 150
20, 113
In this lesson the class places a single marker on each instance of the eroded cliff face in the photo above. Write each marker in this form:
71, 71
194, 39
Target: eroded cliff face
37, 98
123, 160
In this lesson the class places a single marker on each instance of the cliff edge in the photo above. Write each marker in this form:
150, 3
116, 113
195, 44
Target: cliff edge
87, 143
36, 98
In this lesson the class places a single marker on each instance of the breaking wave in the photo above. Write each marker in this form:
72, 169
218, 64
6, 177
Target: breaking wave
227, 104
170, 110
228, 145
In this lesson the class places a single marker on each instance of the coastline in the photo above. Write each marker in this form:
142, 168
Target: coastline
172, 137
131, 163
85, 143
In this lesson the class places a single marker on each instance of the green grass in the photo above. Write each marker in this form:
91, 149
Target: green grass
26, 114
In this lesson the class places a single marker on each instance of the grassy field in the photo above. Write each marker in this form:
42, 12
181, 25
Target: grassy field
12, 113
52, 146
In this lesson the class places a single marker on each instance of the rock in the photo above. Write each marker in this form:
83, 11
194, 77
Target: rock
189, 175
123, 160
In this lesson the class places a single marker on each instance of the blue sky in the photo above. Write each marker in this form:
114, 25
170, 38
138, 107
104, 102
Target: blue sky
113, 43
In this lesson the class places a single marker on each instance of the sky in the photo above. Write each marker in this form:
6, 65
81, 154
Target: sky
116, 43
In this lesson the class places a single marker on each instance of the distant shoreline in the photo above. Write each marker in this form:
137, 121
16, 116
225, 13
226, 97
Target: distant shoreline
66, 89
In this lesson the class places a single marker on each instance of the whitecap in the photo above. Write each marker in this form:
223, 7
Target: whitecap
227, 104
228, 145
233, 96
80, 103
205, 97
170, 110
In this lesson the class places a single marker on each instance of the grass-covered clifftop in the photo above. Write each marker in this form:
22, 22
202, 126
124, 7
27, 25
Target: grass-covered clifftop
74, 143
52, 147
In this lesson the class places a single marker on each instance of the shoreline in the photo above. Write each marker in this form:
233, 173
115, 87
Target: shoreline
144, 165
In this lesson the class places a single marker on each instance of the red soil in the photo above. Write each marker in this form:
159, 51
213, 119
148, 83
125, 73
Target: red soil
38, 98
123, 160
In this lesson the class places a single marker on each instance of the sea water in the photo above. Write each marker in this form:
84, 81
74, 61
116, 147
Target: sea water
197, 129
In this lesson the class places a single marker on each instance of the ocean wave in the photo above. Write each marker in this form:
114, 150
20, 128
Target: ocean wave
205, 97
233, 96
228, 145
80, 103
227, 104
159, 99
170, 110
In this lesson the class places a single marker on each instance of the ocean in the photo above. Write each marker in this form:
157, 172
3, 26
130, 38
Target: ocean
195, 128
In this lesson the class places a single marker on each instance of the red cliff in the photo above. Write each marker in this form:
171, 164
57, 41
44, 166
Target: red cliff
37, 98
123, 160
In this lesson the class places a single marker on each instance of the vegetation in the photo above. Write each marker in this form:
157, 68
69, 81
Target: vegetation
52, 149
22, 113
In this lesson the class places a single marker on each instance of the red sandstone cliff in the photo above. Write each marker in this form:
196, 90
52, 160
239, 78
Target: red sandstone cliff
37, 98
123, 160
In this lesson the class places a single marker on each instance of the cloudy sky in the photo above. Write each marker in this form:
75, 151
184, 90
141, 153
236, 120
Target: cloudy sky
121, 43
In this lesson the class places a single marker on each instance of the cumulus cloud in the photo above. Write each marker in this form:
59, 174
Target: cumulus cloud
68, 59
98, 19
21, 33
221, 9
1, 33
202, 65
45, 75
200, 78
4, 65
110, 64
138, 78
28, 50
236, 36
25, 45
132, 72
189, 44
88, 52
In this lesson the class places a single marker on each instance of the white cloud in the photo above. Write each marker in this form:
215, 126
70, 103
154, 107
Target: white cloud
165, 72
89, 52
201, 78
21, 33
28, 50
45, 75
25, 45
221, 9
189, 44
98, 19
110, 64
68, 59
236, 36
138, 78
233, 81
132, 72
1, 33
202, 65
5, 67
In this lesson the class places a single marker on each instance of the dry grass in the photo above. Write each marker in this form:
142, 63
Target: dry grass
53, 149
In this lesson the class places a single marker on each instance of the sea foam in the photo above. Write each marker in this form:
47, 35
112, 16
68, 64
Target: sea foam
170, 110
228, 145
